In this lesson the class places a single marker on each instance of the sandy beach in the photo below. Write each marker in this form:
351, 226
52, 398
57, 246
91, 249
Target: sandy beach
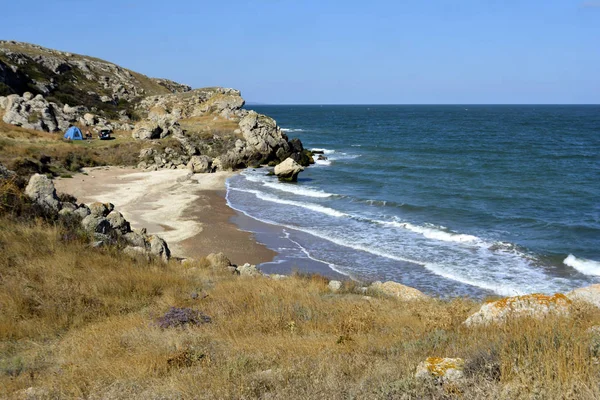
188, 210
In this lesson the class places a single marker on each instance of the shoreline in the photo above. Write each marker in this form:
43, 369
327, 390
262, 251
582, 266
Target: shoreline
195, 219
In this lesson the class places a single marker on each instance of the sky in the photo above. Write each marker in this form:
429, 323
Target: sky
337, 52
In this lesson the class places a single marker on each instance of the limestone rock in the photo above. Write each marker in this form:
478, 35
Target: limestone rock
135, 239
41, 190
96, 224
588, 294
288, 170
264, 136
444, 370
249, 270
100, 209
82, 211
334, 286
531, 305
218, 260
159, 248
398, 290
118, 222
146, 130
200, 164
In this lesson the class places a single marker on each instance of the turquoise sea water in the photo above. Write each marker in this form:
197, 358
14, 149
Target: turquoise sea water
453, 200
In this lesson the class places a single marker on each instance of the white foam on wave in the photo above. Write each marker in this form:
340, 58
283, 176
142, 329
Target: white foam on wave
433, 233
587, 267
292, 130
502, 290
325, 151
299, 190
307, 253
322, 162
308, 206
357, 145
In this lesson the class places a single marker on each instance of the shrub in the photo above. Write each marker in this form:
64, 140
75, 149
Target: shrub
176, 317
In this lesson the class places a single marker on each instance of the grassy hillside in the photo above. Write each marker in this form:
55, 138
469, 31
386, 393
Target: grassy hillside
80, 322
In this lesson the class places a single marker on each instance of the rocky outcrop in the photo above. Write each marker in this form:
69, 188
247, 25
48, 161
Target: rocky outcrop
334, 286
36, 112
263, 136
288, 170
531, 305
441, 370
101, 220
224, 102
46, 71
402, 292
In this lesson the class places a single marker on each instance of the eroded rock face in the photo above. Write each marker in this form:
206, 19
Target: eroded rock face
443, 370
398, 290
531, 305
33, 113
264, 136
159, 248
288, 170
41, 190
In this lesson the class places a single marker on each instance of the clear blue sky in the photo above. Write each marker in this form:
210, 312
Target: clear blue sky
320, 52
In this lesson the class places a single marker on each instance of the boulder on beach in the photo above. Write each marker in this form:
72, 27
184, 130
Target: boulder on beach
288, 170
200, 164
532, 305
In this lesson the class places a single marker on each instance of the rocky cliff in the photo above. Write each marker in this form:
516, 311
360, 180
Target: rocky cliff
203, 129
67, 78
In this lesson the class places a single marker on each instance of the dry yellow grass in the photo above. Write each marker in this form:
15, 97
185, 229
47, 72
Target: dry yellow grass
25, 150
78, 322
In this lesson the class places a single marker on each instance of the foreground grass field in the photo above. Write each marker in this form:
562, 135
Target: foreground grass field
79, 322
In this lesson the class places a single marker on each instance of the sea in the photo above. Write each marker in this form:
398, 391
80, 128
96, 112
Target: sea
454, 200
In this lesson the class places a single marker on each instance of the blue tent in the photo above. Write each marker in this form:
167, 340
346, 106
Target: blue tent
73, 133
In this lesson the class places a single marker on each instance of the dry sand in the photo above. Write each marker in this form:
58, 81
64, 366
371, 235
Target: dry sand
188, 211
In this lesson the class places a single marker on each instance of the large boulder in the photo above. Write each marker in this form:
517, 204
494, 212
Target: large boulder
118, 223
200, 164
248, 270
288, 170
96, 224
159, 248
262, 135
398, 290
218, 260
34, 113
40, 189
146, 130
531, 305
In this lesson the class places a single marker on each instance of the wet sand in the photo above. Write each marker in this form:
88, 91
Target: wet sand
189, 211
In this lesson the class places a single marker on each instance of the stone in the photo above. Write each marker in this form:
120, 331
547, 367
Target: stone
288, 170
532, 305
248, 270
334, 286
135, 239
402, 292
159, 248
98, 209
117, 222
146, 130
90, 119
82, 211
588, 294
443, 370
200, 164
218, 260
40, 189
97, 224
262, 135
